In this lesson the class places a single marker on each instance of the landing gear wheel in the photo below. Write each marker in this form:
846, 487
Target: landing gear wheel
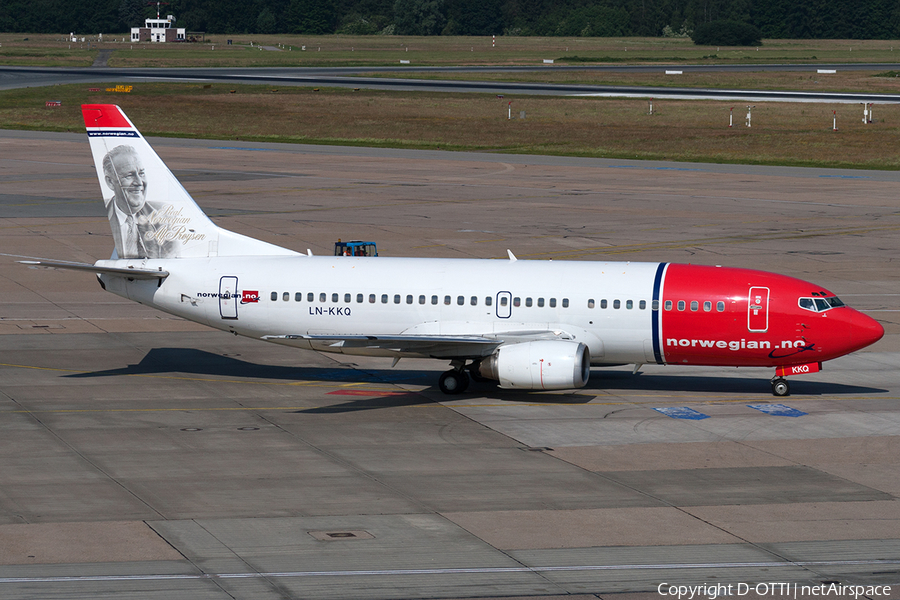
780, 387
453, 382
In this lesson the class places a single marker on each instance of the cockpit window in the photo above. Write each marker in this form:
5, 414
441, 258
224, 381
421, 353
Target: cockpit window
820, 304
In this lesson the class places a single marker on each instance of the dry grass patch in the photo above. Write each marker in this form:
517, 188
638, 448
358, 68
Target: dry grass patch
782, 133
337, 50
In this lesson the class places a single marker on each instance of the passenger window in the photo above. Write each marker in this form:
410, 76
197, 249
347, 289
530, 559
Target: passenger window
384, 298
604, 303
347, 298
286, 296
668, 305
655, 305
629, 304
421, 299
707, 306
310, 297
434, 299
681, 305
617, 304
488, 301
371, 298
552, 302
359, 298
590, 303
396, 298
460, 300
504, 301
517, 301
298, 297
565, 303
642, 305
720, 306
540, 303
274, 296
694, 305
409, 299
322, 297
334, 297
447, 300
528, 302
473, 300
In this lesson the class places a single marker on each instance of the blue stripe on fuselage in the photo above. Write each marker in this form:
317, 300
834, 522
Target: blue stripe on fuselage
657, 284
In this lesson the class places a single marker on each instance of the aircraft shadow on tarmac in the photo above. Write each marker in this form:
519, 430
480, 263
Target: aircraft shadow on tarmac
624, 380
200, 362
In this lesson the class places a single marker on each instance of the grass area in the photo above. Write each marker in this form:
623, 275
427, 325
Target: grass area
337, 50
782, 133
886, 82
42, 51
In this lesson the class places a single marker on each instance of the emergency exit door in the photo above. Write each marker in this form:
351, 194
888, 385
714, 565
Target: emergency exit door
758, 309
228, 297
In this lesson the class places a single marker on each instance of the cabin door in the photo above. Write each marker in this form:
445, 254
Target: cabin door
228, 297
758, 309
504, 305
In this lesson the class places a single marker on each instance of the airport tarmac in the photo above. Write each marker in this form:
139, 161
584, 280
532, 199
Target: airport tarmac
142, 456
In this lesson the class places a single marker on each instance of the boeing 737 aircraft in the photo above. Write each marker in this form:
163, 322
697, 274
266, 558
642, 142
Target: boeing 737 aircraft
534, 325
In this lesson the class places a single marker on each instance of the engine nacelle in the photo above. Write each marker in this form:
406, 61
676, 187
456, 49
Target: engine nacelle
539, 365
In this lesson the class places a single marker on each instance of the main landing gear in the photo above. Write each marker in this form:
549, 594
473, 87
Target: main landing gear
780, 387
454, 381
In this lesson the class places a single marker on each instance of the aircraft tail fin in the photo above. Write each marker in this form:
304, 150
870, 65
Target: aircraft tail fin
150, 212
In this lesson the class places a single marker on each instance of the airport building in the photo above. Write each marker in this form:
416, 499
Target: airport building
158, 30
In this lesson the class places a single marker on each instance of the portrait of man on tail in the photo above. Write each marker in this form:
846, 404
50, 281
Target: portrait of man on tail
130, 214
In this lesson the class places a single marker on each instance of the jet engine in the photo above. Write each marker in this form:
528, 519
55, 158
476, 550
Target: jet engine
539, 365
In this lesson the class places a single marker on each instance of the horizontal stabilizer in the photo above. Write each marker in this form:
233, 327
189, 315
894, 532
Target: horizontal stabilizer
130, 272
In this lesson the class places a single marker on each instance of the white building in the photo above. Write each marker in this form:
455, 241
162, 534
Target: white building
157, 30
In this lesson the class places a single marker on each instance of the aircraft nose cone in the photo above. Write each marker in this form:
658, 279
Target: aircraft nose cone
864, 330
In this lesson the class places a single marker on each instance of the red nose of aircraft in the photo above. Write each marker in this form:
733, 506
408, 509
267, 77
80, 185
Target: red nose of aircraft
864, 330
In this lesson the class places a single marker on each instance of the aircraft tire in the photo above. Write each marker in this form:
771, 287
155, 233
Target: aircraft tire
453, 382
780, 387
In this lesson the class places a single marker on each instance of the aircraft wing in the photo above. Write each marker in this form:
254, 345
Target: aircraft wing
443, 346
435, 346
131, 273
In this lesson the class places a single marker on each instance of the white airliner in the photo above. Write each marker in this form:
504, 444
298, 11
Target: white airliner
524, 324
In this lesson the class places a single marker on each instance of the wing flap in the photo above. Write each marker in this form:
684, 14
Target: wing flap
437, 346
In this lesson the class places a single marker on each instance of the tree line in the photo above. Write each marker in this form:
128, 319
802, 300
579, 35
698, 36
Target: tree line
802, 19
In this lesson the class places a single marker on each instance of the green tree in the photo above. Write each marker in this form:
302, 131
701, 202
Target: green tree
131, 13
265, 22
419, 17
727, 33
478, 17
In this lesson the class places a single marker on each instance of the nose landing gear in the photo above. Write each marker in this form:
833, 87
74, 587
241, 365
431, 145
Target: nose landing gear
780, 387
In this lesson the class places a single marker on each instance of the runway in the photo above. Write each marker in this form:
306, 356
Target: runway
345, 77
147, 457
